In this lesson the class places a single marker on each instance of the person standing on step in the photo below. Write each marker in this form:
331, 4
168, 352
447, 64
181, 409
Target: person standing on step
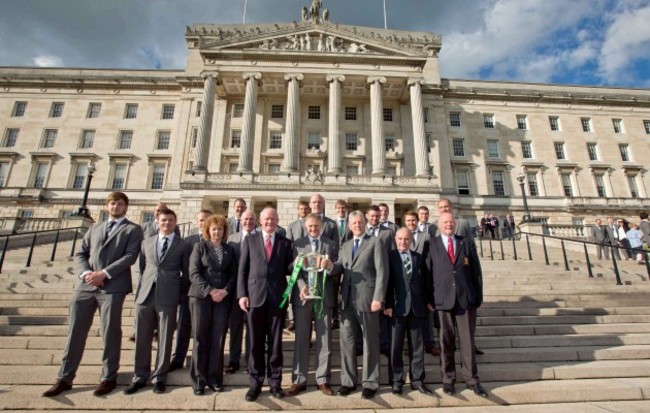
384, 212
234, 222
644, 227
599, 236
104, 261
295, 230
612, 237
509, 228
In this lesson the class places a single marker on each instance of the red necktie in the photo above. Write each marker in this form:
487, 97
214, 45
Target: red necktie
268, 247
450, 250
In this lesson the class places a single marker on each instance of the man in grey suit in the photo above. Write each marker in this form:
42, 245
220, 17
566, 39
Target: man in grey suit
612, 237
104, 266
363, 261
149, 229
319, 310
455, 268
164, 265
384, 212
341, 208
296, 229
462, 225
599, 236
234, 222
644, 227
330, 229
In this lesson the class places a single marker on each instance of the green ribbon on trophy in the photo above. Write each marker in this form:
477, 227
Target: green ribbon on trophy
318, 305
292, 281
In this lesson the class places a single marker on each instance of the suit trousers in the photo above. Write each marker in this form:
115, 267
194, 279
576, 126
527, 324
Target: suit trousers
147, 316
183, 331
236, 327
209, 327
303, 315
413, 327
464, 322
265, 326
600, 248
83, 306
353, 320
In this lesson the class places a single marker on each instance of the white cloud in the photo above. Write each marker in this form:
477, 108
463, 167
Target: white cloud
47, 61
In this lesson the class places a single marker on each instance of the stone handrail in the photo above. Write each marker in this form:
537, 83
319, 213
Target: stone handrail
565, 231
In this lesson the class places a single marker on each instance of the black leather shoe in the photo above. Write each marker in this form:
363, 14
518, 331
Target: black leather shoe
105, 387
345, 390
58, 388
478, 351
422, 389
252, 394
175, 365
217, 388
478, 390
232, 368
159, 387
200, 391
448, 388
134, 387
277, 392
368, 393
397, 388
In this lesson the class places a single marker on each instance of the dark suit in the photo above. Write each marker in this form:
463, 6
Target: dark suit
263, 282
387, 238
159, 293
330, 229
457, 293
420, 244
210, 318
345, 234
509, 227
114, 254
408, 294
237, 316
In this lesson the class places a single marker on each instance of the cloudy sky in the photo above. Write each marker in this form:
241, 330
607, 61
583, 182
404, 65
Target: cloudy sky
592, 42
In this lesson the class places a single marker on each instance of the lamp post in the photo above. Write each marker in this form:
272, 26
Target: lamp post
83, 209
522, 178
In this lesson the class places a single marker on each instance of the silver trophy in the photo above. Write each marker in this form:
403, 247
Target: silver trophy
313, 261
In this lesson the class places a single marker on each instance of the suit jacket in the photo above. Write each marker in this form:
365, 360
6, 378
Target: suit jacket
303, 246
644, 227
509, 224
612, 235
206, 273
193, 239
365, 278
296, 230
458, 283
330, 229
389, 225
279, 230
387, 237
260, 280
421, 246
232, 225
149, 229
171, 274
408, 296
116, 255
347, 234
599, 234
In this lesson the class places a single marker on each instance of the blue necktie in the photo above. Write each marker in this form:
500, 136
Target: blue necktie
355, 247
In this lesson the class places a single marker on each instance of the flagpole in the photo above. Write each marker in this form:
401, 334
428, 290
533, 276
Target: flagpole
385, 20
245, 4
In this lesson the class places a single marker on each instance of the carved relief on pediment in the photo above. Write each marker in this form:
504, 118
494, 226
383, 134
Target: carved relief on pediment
317, 42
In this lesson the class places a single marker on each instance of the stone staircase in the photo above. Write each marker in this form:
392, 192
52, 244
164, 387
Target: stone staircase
554, 340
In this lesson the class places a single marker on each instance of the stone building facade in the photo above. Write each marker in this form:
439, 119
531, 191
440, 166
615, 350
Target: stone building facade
275, 112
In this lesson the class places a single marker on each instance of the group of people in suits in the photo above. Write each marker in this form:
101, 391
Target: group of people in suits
620, 235
380, 281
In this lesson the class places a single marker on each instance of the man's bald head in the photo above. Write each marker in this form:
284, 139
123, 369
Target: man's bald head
446, 224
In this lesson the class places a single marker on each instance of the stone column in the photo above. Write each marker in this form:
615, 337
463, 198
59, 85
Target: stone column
419, 134
334, 159
205, 123
377, 125
248, 122
292, 128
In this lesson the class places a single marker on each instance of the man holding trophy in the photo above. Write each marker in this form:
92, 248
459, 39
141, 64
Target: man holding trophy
313, 297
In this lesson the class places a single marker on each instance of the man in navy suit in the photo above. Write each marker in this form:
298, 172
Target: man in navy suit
458, 292
261, 282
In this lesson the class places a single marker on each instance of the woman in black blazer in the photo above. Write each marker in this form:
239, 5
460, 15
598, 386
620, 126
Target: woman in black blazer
213, 274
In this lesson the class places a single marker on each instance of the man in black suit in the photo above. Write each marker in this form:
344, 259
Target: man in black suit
509, 227
408, 299
261, 283
458, 292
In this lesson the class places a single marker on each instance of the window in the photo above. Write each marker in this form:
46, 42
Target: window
49, 138
559, 150
458, 145
554, 123
199, 107
195, 136
235, 139
157, 176
634, 189
388, 114
351, 170
350, 113
93, 110
27, 213
351, 141
40, 174
277, 111
273, 168
618, 125
586, 124
623, 148
131, 111
313, 140
531, 178
566, 184
87, 139
522, 123
119, 176
238, 110
148, 217
4, 173
167, 111
462, 181
389, 143
425, 113
428, 138
493, 148
592, 150
79, 179
526, 150
56, 110
454, 119
646, 125
498, 183
488, 121
164, 136
126, 136
19, 109
275, 140
600, 185
11, 136
313, 112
